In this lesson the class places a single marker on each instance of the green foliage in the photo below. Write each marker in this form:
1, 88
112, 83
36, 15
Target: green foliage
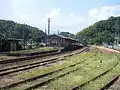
87, 71
40, 49
103, 80
10, 29
102, 31
83, 68
67, 34
68, 62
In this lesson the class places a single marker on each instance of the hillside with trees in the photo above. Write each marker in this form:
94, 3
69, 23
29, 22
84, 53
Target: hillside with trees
67, 34
101, 32
11, 29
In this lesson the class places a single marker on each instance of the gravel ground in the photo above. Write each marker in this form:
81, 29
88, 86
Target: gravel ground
115, 85
11, 78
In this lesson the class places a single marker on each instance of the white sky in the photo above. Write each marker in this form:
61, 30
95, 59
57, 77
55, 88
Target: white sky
67, 15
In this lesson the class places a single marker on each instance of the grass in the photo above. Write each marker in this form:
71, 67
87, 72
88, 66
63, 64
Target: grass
6, 57
82, 75
103, 80
69, 61
51, 76
41, 49
86, 67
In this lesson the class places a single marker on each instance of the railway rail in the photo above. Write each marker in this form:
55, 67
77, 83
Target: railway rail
31, 58
28, 66
22, 58
107, 87
77, 86
71, 88
23, 61
38, 81
32, 65
27, 58
53, 78
86, 82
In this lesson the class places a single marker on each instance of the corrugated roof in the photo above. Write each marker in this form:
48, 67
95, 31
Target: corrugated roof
64, 37
14, 39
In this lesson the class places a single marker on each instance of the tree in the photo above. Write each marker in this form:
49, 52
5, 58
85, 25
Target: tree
11, 29
102, 31
67, 34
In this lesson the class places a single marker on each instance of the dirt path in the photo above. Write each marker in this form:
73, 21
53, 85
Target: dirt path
108, 50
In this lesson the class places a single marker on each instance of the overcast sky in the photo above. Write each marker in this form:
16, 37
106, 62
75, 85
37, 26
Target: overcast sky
66, 15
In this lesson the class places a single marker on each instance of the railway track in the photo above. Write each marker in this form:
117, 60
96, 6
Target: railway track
74, 87
77, 86
114, 84
28, 66
27, 58
21, 64
108, 86
4, 64
39, 84
45, 76
33, 65
7, 64
103, 87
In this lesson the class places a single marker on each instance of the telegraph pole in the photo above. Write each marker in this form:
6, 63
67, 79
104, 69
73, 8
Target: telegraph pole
48, 26
45, 31
117, 28
23, 38
58, 32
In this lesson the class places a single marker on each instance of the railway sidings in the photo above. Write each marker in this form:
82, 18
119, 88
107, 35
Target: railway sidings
88, 68
13, 70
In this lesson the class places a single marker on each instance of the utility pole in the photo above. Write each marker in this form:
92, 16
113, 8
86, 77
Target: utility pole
117, 33
45, 31
58, 32
48, 26
23, 38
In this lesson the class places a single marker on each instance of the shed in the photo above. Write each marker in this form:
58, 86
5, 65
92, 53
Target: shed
11, 44
60, 41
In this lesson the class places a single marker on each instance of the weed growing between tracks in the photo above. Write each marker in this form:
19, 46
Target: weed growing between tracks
41, 49
68, 61
53, 76
103, 80
83, 75
76, 71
